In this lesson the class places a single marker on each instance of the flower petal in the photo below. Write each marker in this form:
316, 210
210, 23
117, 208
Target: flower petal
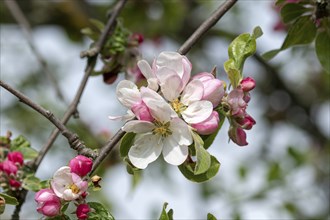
146, 69
127, 93
193, 92
130, 115
171, 60
180, 132
174, 153
171, 84
146, 149
159, 108
69, 195
138, 126
197, 112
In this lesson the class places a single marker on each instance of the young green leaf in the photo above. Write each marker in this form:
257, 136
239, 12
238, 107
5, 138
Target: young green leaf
211, 217
98, 212
187, 169
18, 142
126, 143
292, 11
233, 73
322, 48
28, 152
203, 162
31, 183
10, 200
257, 32
166, 215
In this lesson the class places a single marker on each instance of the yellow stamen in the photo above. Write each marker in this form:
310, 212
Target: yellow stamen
178, 106
75, 189
162, 129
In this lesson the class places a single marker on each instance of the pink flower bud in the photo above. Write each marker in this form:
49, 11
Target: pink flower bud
209, 126
16, 157
236, 102
48, 203
247, 122
9, 167
248, 84
138, 37
213, 88
237, 135
141, 111
14, 183
247, 97
81, 165
82, 211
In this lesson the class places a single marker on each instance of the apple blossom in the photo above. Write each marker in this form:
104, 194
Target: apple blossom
246, 122
82, 211
209, 126
16, 157
81, 165
213, 88
236, 102
167, 134
237, 135
48, 203
9, 167
67, 185
247, 84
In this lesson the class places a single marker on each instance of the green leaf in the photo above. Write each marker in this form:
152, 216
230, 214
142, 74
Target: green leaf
166, 215
187, 169
126, 143
257, 32
302, 31
44, 184
292, 11
31, 183
18, 142
271, 54
322, 48
233, 73
203, 162
135, 172
10, 200
28, 152
99, 212
208, 139
65, 207
98, 24
211, 217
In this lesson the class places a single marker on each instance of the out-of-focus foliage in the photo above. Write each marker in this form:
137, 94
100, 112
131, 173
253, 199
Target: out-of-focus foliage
283, 102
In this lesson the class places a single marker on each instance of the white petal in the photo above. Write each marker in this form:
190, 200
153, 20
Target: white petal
138, 126
61, 180
146, 149
197, 112
68, 195
174, 153
153, 84
171, 87
171, 60
159, 108
127, 93
180, 131
130, 115
145, 69
193, 92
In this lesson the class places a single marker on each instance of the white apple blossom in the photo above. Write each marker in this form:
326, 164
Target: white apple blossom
167, 134
67, 185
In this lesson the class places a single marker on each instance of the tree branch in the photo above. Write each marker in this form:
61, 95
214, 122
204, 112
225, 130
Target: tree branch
199, 32
205, 26
26, 27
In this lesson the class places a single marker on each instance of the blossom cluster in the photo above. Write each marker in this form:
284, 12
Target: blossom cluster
69, 183
11, 171
174, 106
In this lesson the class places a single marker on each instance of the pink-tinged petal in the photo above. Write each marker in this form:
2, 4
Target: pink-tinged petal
158, 107
171, 86
146, 69
180, 131
237, 135
236, 102
153, 84
9, 167
174, 153
197, 112
146, 149
193, 92
209, 126
130, 115
127, 93
142, 112
138, 126
186, 70
247, 84
61, 180
171, 60
50, 209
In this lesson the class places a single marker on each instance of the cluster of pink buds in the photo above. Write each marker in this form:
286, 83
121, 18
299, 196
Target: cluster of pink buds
236, 102
11, 171
69, 183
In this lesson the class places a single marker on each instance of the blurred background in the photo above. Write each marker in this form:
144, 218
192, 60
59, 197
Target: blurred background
282, 174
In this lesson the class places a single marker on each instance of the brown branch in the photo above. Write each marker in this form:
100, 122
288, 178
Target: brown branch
205, 26
26, 27
198, 34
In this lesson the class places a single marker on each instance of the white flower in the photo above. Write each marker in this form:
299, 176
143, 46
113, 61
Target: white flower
66, 185
167, 134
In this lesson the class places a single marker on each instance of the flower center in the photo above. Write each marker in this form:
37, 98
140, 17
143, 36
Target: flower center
162, 129
178, 106
75, 189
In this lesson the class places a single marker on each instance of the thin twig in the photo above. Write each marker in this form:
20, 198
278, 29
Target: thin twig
199, 32
205, 26
26, 27
73, 138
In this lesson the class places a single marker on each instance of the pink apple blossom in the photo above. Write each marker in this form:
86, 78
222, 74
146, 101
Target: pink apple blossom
213, 88
81, 165
48, 203
141, 111
9, 167
209, 126
67, 185
247, 84
236, 102
237, 135
16, 157
82, 211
